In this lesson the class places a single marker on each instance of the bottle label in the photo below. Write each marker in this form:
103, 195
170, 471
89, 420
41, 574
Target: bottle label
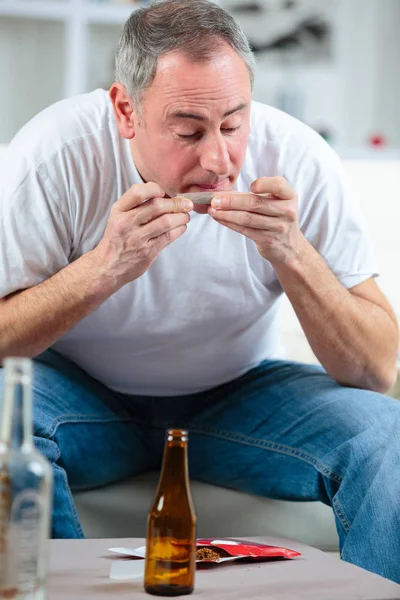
23, 550
5, 500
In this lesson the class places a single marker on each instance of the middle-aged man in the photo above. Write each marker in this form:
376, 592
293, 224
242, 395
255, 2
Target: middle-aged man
140, 318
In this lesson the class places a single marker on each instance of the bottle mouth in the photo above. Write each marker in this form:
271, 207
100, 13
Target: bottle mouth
17, 370
177, 435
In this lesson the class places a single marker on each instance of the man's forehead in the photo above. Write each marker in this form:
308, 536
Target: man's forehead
183, 89
189, 113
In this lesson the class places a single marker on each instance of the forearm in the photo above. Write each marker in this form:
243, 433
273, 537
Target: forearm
33, 319
141, 224
354, 339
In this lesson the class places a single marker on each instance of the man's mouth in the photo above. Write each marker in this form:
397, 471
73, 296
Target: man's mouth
209, 187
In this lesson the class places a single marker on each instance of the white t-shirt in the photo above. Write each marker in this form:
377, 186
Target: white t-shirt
206, 311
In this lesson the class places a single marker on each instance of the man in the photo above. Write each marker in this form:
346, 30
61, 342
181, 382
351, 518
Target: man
158, 318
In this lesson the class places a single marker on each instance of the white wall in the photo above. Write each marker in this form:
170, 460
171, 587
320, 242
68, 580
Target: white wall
388, 74
31, 63
103, 42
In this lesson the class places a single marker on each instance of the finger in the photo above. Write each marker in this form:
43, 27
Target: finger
163, 224
252, 234
249, 219
154, 208
256, 203
278, 186
137, 194
165, 239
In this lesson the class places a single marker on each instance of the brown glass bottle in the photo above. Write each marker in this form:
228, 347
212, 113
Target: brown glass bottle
171, 525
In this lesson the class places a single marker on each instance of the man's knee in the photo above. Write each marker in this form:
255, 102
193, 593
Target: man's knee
360, 429
49, 448
358, 410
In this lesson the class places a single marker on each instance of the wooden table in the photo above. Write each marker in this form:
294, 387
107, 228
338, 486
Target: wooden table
79, 569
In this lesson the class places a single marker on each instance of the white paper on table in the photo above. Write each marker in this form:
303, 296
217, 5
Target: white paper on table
127, 570
138, 552
132, 569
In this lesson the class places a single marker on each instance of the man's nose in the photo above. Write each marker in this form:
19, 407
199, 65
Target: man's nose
214, 156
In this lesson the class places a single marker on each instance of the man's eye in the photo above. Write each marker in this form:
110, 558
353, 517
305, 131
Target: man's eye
230, 129
188, 137
197, 134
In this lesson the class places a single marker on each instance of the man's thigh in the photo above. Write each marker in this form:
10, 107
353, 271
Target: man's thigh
283, 430
100, 438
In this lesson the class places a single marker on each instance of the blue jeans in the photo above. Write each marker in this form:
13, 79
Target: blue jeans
283, 430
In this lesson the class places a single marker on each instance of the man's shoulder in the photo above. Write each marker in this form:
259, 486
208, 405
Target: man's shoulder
60, 126
287, 141
279, 128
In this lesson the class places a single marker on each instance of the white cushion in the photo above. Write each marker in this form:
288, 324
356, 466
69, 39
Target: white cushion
120, 510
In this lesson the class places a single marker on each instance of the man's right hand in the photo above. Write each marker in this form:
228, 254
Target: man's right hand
141, 224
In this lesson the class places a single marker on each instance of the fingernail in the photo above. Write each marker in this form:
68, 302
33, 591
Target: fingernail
216, 202
187, 204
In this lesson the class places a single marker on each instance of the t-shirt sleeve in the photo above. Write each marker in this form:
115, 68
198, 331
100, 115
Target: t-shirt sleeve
333, 221
35, 225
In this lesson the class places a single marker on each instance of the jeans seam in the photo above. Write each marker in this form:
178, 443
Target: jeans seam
269, 445
340, 514
89, 419
69, 495
73, 507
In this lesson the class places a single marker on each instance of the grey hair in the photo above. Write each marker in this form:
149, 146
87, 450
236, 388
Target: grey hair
197, 27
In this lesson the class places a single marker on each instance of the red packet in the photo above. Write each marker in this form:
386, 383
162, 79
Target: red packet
227, 549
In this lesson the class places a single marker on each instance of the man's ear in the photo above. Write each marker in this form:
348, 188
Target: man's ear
124, 110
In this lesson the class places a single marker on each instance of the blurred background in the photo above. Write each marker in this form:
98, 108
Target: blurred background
332, 63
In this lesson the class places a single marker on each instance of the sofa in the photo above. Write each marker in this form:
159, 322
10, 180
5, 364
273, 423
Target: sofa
120, 510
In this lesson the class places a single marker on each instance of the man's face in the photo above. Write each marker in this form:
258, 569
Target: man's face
194, 125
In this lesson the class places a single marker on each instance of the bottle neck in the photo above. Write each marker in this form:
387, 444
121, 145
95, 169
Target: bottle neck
175, 468
16, 415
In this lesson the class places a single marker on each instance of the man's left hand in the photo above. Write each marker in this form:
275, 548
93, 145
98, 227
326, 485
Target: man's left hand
267, 215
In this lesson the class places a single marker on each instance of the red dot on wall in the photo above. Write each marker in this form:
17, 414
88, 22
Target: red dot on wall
377, 140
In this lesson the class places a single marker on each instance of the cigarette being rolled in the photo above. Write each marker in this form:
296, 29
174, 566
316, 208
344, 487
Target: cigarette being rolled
206, 197
199, 197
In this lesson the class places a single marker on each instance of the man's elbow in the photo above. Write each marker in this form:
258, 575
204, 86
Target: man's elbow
377, 378
381, 380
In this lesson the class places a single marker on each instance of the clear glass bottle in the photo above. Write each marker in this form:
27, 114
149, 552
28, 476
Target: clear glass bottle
25, 491
171, 525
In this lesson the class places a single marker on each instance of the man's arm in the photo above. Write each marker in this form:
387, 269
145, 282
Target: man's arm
32, 320
353, 333
141, 224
